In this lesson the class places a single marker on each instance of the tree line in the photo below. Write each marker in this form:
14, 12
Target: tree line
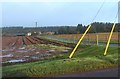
96, 27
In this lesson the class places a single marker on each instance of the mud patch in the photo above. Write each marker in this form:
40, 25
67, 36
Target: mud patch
9, 55
16, 61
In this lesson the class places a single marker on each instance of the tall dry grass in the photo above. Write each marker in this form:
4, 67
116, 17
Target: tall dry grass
91, 36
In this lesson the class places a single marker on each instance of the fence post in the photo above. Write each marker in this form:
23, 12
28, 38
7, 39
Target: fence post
88, 40
97, 38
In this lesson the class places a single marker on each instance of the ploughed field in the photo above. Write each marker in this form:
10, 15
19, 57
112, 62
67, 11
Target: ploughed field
21, 49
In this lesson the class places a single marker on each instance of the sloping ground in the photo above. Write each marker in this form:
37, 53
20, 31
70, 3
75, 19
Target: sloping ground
86, 58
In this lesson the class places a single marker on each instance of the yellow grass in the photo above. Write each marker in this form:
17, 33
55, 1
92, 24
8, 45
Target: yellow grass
91, 36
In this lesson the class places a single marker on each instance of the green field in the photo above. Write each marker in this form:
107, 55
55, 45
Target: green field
86, 58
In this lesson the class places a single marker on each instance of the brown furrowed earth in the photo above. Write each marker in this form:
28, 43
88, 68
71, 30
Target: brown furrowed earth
21, 49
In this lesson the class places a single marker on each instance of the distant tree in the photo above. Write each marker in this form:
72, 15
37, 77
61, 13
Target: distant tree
80, 28
68, 30
61, 30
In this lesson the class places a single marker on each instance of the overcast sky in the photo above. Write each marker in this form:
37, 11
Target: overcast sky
56, 13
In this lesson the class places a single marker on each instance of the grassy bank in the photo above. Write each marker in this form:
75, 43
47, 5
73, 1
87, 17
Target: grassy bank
86, 58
